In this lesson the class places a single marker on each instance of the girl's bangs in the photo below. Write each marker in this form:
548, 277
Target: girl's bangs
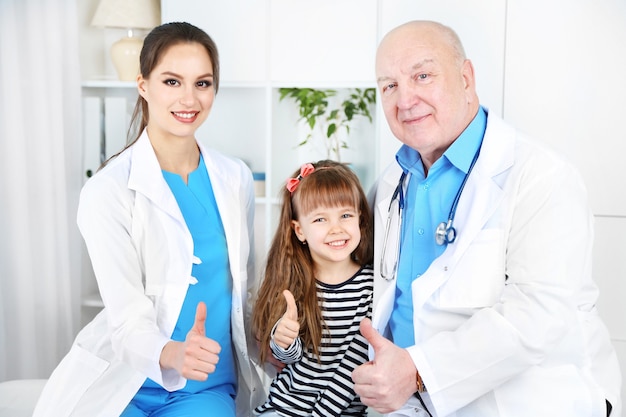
326, 191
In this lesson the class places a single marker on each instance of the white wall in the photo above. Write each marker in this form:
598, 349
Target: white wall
564, 83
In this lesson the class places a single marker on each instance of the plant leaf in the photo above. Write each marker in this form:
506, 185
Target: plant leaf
332, 128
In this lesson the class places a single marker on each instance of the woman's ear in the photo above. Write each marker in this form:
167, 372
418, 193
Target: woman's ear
141, 86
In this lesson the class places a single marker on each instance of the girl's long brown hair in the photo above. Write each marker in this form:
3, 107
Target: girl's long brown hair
289, 263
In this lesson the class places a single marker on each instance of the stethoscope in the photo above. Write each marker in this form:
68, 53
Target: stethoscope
444, 234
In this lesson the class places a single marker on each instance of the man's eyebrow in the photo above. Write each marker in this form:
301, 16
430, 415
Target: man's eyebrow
422, 63
415, 67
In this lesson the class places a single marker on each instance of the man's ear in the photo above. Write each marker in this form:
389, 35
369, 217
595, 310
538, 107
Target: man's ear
468, 75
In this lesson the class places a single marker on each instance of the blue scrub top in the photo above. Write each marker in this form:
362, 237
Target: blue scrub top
199, 208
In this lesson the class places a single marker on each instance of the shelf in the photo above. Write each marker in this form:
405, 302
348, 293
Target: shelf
93, 300
275, 201
322, 85
108, 84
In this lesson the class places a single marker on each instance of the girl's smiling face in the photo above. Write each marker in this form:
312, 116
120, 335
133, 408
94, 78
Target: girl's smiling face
332, 233
179, 91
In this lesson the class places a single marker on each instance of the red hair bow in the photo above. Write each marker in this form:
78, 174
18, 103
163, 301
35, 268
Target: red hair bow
292, 183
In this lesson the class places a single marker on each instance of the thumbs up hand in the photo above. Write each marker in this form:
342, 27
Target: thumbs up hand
389, 380
197, 356
288, 326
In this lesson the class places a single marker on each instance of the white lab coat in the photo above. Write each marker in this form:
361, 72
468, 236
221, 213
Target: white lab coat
142, 254
505, 319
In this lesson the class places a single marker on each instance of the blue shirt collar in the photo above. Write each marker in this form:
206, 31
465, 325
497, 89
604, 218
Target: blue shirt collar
459, 154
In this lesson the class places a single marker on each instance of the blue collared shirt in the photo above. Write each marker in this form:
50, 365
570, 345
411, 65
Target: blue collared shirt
428, 203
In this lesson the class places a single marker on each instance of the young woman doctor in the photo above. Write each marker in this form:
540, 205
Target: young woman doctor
168, 225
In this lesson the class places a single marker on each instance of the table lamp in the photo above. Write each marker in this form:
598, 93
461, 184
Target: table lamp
130, 15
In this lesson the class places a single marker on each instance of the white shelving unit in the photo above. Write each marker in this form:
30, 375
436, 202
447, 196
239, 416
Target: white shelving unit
107, 108
247, 120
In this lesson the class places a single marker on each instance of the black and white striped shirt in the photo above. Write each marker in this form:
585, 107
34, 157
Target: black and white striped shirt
306, 387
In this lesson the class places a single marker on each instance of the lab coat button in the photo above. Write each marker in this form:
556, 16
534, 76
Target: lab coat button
420, 231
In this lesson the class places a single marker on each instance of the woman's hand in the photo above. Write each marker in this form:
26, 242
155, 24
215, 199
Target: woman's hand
197, 356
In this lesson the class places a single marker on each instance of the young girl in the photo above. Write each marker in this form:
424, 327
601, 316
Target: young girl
168, 226
317, 288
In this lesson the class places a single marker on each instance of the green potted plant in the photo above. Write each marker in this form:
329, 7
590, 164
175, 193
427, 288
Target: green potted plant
314, 107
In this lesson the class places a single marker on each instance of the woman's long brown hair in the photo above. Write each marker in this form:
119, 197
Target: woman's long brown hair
289, 262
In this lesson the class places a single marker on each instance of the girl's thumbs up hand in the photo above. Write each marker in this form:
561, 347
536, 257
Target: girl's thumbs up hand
288, 327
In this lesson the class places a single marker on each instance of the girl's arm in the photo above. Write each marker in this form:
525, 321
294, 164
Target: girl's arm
288, 354
285, 344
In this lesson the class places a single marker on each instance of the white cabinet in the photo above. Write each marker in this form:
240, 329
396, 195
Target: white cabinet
568, 88
263, 45
322, 41
268, 44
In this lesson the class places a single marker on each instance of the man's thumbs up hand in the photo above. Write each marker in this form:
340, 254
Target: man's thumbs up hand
386, 382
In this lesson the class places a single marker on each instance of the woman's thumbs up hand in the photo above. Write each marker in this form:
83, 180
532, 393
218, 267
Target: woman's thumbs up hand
197, 356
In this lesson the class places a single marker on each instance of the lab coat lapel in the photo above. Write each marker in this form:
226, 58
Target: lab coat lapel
225, 188
384, 290
146, 178
479, 200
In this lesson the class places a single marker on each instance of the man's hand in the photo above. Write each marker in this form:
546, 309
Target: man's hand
389, 380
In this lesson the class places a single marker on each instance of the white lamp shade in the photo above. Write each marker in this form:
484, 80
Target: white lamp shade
128, 14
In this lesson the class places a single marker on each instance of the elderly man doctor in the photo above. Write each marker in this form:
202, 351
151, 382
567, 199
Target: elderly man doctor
482, 307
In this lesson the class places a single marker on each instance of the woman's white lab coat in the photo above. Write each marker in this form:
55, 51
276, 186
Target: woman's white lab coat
142, 254
505, 319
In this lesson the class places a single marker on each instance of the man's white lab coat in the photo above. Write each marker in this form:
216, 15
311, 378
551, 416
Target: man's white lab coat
505, 319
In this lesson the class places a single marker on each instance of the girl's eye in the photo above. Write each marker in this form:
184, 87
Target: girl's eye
204, 84
422, 76
318, 220
347, 215
171, 82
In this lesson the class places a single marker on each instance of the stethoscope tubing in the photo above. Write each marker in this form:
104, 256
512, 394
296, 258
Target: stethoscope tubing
445, 232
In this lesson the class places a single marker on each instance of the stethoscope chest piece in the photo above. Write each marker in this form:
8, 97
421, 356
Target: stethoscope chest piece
445, 233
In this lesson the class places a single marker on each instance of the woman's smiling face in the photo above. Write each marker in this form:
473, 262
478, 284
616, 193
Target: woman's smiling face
179, 91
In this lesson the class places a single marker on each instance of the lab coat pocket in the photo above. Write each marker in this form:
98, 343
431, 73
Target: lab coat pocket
477, 278
548, 392
68, 383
